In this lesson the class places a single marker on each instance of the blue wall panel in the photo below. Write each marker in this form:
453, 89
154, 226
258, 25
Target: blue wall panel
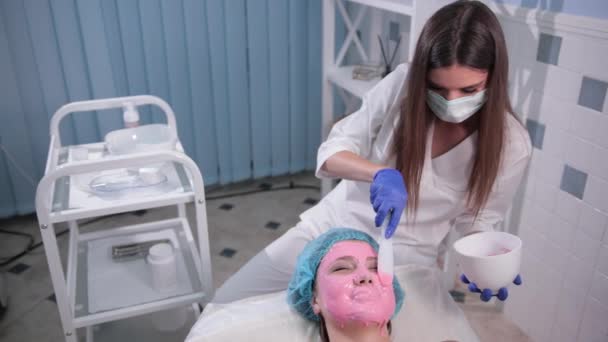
154, 52
129, 22
203, 118
314, 51
238, 94
243, 77
14, 136
298, 84
48, 61
73, 62
27, 77
96, 49
259, 86
278, 24
177, 66
219, 81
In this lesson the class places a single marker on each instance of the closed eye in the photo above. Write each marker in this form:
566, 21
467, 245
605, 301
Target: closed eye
342, 266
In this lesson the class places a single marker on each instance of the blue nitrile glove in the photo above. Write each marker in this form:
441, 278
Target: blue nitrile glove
388, 195
486, 294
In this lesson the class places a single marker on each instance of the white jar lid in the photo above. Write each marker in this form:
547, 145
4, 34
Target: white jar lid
161, 252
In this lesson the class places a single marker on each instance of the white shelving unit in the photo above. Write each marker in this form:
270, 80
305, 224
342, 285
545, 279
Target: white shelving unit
94, 290
337, 75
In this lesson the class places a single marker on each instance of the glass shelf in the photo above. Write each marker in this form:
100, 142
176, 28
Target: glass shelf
106, 288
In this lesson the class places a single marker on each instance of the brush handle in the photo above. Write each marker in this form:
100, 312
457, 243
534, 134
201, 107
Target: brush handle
385, 254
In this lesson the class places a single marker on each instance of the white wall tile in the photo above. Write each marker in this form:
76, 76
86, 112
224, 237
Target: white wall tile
553, 256
532, 266
554, 142
599, 288
585, 55
586, 248
578, 275
592, 221
529, 186
547, 301
570, 310
602, 260
593, 326
595, 193
599, 167
586, 124
546, 194
560, 333
601, 137
578, 153
561, 232
558, 112
549, 110
568, 207
555, 81
539, 218
532, 241
537, 320
550, 170
516, 307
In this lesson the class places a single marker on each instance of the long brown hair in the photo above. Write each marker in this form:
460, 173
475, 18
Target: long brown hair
469, 34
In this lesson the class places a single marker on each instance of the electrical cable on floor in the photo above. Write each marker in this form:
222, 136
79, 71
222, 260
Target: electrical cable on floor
291, 186
31, 245
7, 260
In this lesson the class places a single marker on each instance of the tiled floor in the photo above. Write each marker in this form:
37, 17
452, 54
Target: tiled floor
239, 227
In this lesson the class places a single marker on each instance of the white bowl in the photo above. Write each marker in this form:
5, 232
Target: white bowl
491, 260
145, 138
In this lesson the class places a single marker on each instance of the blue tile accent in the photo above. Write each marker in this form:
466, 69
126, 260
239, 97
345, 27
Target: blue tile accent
548, 48
573, 181
393, 31
537, 133
593, 93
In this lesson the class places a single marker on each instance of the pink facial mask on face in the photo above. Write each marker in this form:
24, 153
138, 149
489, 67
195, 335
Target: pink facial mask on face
354, 293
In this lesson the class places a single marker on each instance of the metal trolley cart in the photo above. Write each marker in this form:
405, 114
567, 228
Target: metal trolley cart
94, 290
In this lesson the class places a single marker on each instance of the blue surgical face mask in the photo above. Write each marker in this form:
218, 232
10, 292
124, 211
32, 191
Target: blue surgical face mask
457, 110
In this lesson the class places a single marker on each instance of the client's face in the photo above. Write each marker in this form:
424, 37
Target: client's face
348, 288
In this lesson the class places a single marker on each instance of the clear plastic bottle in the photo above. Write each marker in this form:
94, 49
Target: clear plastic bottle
130, 115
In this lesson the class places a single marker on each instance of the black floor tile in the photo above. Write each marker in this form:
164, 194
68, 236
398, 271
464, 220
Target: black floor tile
228, 252
19, 268
227, 206
272, 225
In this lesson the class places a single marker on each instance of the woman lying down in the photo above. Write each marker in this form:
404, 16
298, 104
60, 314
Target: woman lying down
335, 295
336, 284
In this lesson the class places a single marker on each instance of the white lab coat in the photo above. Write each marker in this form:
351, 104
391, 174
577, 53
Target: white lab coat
369, 133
